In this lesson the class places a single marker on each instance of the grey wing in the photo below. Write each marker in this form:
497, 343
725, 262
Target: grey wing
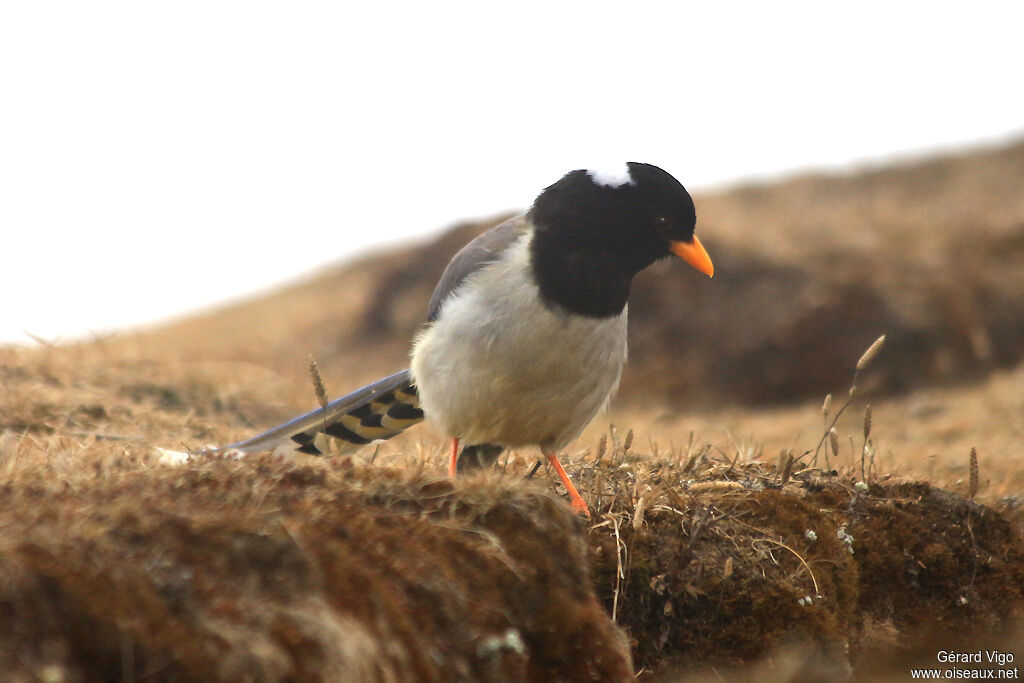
485, 249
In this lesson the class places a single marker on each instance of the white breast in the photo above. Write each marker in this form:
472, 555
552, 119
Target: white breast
500, 367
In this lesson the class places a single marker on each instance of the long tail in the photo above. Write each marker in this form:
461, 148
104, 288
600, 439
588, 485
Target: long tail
380, 410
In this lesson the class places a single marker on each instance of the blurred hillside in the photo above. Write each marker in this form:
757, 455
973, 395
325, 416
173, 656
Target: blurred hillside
808, 272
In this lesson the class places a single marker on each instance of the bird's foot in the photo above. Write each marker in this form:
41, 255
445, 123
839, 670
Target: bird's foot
579, 506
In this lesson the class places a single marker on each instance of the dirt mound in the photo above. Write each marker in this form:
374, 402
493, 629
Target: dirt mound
808, 272
706, 562
266, 570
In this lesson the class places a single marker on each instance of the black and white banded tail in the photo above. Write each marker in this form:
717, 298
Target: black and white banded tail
378, 411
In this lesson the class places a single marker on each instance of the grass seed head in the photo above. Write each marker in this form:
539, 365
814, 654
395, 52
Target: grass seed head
638, 514
867, 421
833, 440
318, 383
785, 466
870, 354
826, 406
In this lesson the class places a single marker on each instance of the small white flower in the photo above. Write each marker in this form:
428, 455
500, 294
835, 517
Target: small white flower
810, 535
861, 486
509, 641
846, 537
962, 600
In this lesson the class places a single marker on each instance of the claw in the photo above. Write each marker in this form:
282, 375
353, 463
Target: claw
580, 507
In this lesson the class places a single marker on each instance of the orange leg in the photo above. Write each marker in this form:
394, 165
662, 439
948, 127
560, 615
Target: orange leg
455, 458
575, 499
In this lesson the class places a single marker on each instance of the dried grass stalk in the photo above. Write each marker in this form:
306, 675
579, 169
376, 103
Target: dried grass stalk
867, 421
602, 446
691, 462
974, 472
716, 487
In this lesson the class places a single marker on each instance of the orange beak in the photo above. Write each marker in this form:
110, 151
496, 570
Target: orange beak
694, 254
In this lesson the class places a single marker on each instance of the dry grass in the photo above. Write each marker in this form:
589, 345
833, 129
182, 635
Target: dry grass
925, 435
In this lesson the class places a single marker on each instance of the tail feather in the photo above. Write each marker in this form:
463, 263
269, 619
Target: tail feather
379, 410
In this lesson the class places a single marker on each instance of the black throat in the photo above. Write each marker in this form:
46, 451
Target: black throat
586, 282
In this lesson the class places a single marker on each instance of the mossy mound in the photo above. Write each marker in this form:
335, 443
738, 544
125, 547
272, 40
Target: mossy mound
266, 570
707, 563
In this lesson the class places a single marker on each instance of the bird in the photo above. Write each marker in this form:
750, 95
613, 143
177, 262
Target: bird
525, 336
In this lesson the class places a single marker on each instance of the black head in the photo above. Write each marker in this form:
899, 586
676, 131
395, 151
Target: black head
595, 231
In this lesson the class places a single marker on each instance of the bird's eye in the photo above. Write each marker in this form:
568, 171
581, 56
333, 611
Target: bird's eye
661, 223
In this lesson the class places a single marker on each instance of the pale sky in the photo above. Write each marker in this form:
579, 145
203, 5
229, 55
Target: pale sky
160, 157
